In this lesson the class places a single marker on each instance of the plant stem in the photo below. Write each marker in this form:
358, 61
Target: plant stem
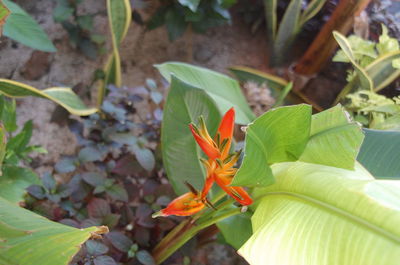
168, 248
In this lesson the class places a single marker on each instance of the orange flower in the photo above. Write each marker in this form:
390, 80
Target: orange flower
219, 167
185, 205
220, 164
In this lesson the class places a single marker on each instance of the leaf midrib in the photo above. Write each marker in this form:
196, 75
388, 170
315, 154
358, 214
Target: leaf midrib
338, 211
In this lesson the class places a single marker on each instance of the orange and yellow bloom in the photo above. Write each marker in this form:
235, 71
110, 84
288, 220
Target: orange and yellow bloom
219, 167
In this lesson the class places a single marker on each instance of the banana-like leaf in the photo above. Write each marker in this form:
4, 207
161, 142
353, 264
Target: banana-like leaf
327, 128
63, 96
271, 18
184, 105
223, 89
380, 153
119, 16
278, 135
288, 29
311, 10
319, 215
20, 26
27, 238
364, 78
240, 223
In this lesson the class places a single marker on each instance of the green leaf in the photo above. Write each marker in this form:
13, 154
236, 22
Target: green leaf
271, 18
278, 135
240, 223
117, 192
184, 105
288, 29
119, 16
145, 158
3, 144
380, 153
319, 215
14, 181
364, 78
386, 43
27, 238
9, 115
311, 10
63, 96
334, 139
4, 13
221, 88
382, 71
191, 4
175, 23
19, 142
20, 26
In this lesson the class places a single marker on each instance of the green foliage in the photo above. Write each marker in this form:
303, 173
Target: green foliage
79, 28
27, 238
376, 64
61, 95
199, 15
352, 215
4, 13
373, 110
379, 153
271, 139
283, 36
21, 27
119, 16
183, 105
222, 89
14, 154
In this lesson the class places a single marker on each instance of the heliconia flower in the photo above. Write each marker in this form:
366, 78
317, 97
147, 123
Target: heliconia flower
185, 205
219, 167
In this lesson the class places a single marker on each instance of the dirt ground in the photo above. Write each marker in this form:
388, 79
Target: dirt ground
218, 49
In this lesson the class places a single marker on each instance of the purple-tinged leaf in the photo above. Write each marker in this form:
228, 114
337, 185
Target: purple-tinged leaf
89, 154
111, 220
94, 178
104, 260
98, 208
36, 191
119, 241
145, 257
95, 248
65, 165
117, 192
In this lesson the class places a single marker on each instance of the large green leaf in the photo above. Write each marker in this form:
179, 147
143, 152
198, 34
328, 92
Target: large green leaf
184, 105
380, 153
242, 223
319, 215
223, 89
63, 96
334, 139
364, 78
278, 135
14, 181
20, 26
27, 238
